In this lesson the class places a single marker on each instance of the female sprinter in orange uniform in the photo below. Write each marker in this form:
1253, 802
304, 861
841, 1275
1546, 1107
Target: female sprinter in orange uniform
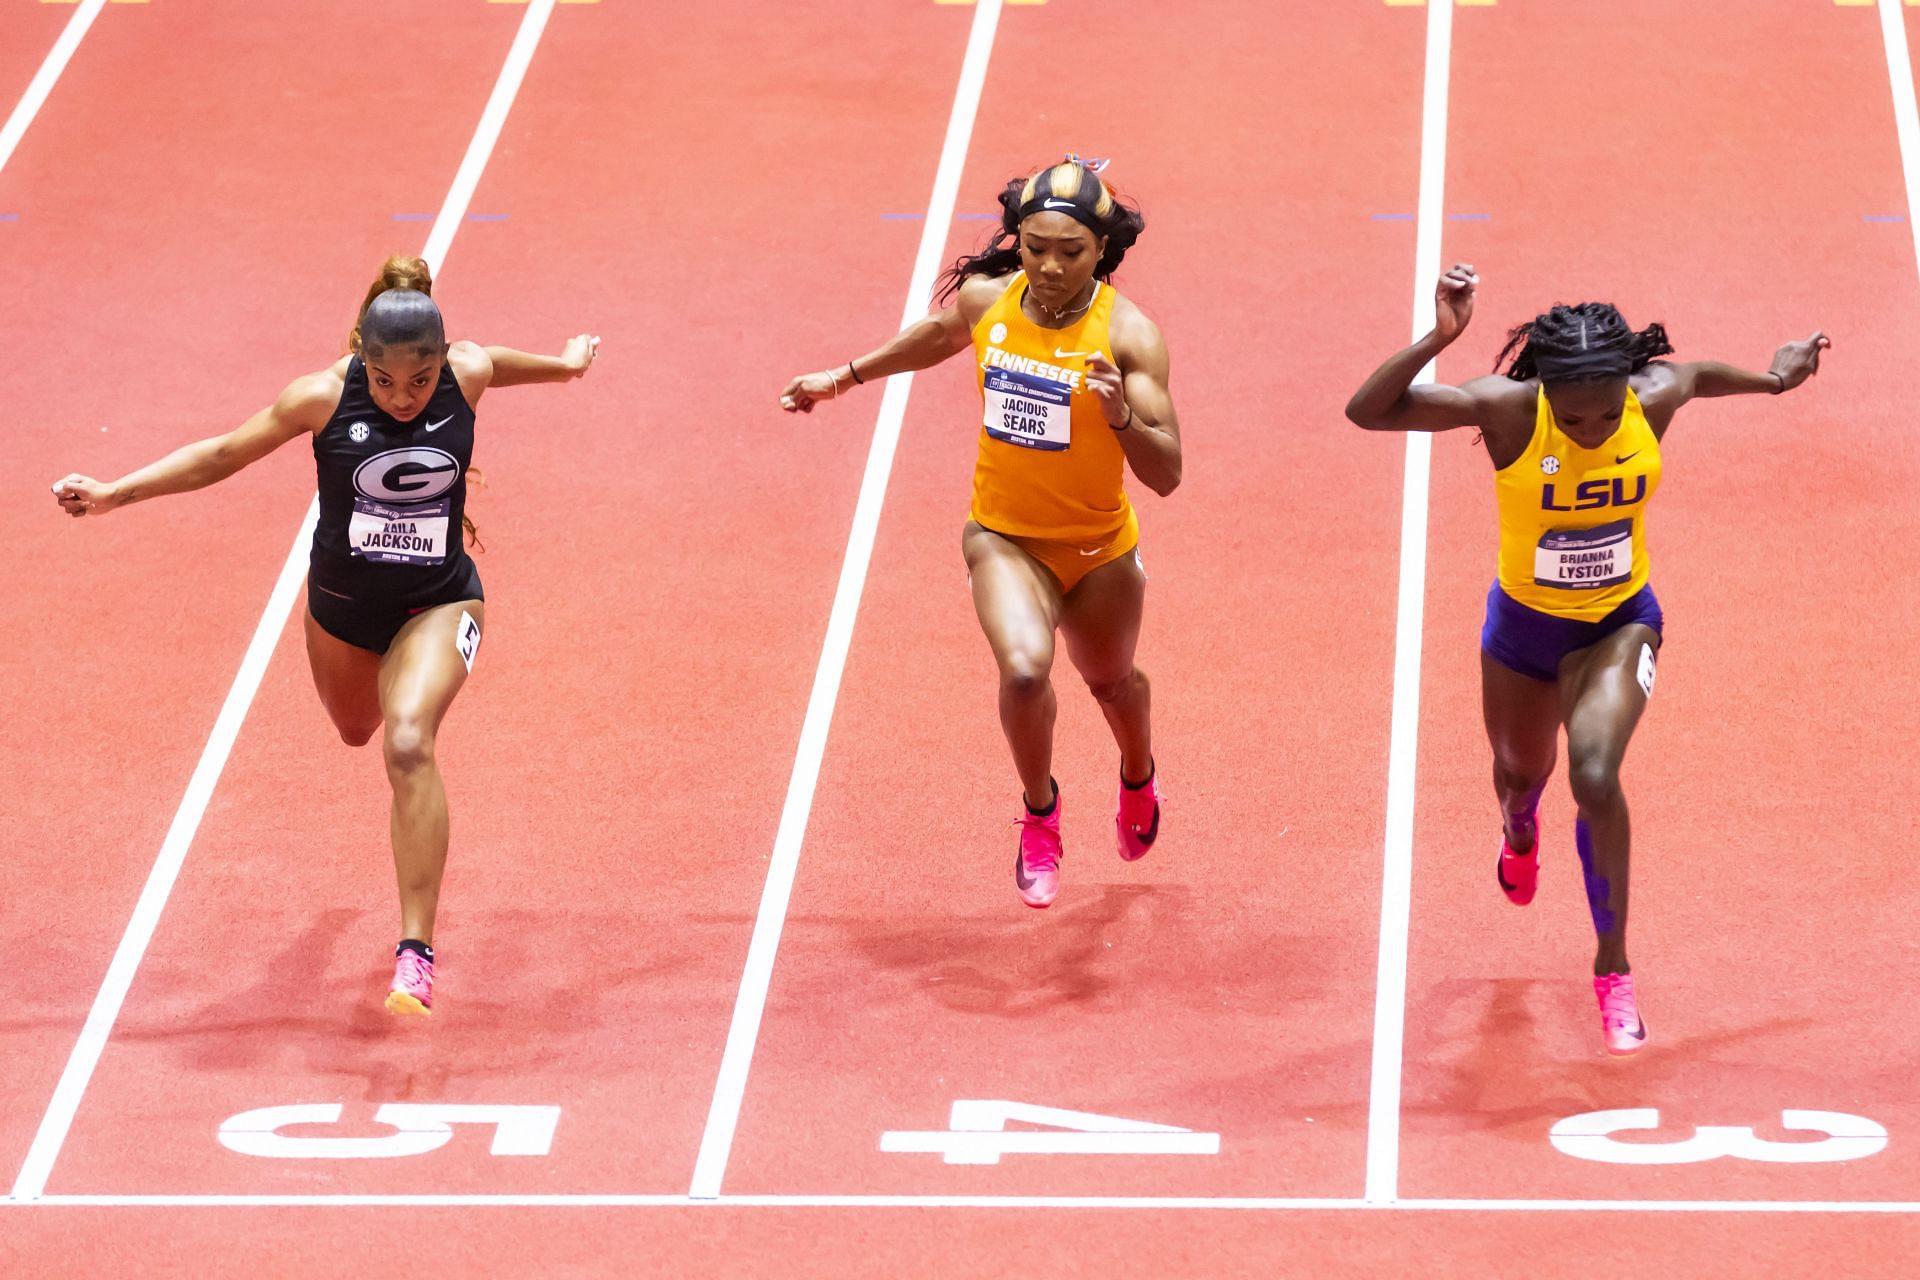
1574, 429
1074, 380
394, 608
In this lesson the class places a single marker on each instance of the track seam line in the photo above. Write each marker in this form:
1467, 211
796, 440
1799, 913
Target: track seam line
1906, 116
1219, 1203
61, 1109
44, 79
1396, 886
743, 1033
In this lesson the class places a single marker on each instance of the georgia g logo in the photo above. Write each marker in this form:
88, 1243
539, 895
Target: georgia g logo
406, 475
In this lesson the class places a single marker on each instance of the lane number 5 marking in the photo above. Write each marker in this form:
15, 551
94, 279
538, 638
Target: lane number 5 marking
418, 1128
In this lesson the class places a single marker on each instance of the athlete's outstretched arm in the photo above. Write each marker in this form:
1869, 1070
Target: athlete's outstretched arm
302, 409
1388, 400
1137, 403
517, 368
1792, 365
921, 345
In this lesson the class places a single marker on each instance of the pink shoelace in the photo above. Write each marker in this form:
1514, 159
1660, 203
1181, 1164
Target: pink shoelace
413, 972
1042, 854
1617, 1006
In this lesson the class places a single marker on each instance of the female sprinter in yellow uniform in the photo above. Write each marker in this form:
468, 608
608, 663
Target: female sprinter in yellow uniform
1074, 383
1574, 429
394, 606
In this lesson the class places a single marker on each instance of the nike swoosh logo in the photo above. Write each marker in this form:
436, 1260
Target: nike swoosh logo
1096, 551
1152, 833
1629, 458
1020, 872
1641, 1034
1500, 874
1058, 354
1058, 204
435, 426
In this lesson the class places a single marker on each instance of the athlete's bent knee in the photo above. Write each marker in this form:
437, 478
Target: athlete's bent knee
1024, 673
1596, 781
355, 735
1511, 778
408, 747
1114, 690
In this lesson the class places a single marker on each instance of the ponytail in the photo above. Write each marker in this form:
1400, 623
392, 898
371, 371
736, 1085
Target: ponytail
397, 272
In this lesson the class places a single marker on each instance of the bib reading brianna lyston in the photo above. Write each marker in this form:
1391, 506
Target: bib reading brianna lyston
1073, 389
1574, 427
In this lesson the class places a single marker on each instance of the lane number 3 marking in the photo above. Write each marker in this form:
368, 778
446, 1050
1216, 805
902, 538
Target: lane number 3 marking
1590, 1137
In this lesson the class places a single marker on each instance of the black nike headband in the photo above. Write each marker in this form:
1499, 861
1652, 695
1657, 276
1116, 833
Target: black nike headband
1047, 202
1579, 366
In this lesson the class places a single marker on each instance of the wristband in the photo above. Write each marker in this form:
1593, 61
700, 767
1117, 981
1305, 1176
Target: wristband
1123, 426
854, 373
1778, 377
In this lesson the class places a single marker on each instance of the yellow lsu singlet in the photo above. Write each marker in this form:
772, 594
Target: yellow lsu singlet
1572, 520
1049, 465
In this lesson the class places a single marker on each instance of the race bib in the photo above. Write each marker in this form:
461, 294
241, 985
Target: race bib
413, 534
1582, 559
1027, 410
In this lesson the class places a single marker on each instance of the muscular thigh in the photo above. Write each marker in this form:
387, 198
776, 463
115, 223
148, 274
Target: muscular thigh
1015, 596
1603, 691
346, 677
1101, 619
428, 661
1522, 715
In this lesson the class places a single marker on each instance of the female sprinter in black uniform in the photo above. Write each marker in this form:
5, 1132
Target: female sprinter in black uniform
1074, 381
1574, 429
394, 607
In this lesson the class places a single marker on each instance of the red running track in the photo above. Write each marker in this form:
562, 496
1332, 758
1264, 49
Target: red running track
662, 548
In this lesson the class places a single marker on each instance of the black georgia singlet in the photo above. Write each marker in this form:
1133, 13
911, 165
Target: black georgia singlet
392, 495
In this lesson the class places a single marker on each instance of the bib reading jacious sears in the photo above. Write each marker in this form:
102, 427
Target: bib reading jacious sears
1029, 410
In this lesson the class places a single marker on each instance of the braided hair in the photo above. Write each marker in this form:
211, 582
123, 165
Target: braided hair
1580, 343
1069, 187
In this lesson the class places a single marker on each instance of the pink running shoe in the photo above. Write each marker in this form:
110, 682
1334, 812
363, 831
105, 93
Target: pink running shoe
1036, 867
411, 994
1136, 823
1620, 1020
1519, 873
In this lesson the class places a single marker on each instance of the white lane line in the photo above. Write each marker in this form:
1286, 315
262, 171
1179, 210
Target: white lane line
1396, 887
49, 74
723, 1117
1906, 117
58, 1118
1226, 1203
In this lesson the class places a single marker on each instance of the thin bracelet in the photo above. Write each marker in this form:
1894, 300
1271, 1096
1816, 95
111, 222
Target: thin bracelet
1777, 377
854, 373
833, 381
1123, 426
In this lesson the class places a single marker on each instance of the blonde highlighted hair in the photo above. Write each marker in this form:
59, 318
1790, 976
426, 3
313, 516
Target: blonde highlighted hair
1094, 204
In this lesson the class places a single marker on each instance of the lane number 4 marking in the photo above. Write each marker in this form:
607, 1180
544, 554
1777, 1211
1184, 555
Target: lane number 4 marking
977, 1133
